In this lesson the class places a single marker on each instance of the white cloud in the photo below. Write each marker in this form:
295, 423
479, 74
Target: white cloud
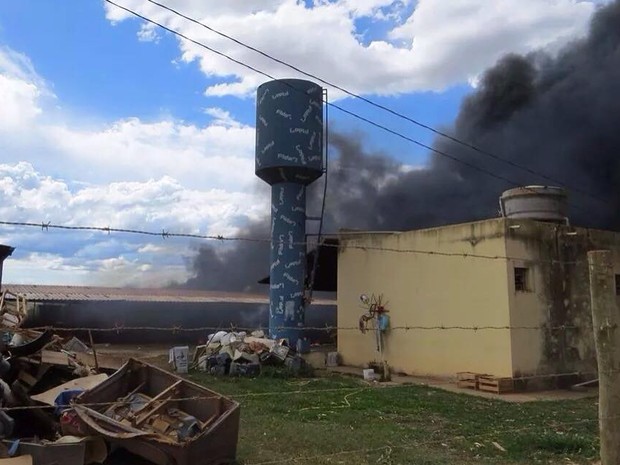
18, 103
155, 205
378, 9
162, 175
54, 269
440, 44
222, 117
219, 154
164, 204
148, 33
20, 90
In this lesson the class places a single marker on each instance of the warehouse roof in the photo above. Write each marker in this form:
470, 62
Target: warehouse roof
42, 293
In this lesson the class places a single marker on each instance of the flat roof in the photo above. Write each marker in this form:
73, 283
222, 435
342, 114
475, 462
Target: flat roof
44, 293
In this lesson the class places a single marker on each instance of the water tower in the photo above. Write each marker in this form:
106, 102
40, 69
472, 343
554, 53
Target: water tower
540, 203
289, 156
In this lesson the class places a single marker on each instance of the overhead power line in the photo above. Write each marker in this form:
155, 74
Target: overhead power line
333, 105
375, 104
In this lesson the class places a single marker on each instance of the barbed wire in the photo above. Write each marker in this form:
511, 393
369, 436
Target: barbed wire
181, 329
106, 229
190, 398
341, 246
248, 395
102, 404
534, 376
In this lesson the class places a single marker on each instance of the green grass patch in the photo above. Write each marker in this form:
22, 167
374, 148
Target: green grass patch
340, 420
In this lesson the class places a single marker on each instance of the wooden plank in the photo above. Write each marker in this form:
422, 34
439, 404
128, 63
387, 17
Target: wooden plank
468, 379
58, 358
467, 384
48, 397
161, 397
496, 385
27, 378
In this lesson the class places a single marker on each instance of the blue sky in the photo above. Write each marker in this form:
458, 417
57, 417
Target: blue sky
110, 122
146, 79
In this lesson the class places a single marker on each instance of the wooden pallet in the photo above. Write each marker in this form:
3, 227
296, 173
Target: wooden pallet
467, 380
495, 384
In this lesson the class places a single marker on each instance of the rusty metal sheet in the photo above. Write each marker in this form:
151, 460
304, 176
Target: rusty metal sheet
44, 293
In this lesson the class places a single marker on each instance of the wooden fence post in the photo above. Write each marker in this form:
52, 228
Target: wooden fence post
606, 326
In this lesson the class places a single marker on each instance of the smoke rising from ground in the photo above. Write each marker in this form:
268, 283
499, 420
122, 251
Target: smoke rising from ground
555, 115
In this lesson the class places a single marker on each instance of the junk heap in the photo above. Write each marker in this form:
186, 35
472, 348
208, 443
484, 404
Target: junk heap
62, 403
241, 354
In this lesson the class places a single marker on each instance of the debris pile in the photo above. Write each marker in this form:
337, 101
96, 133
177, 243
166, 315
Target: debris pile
161, 417
63, 403
239, 354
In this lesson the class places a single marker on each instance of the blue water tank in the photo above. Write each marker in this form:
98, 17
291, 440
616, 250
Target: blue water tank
289, 131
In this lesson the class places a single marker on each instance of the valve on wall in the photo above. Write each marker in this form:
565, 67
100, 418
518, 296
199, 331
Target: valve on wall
376, 312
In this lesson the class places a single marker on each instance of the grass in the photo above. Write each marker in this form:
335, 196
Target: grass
358, 424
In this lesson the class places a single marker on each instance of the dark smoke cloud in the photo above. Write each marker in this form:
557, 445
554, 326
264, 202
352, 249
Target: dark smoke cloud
557, 115
236, 268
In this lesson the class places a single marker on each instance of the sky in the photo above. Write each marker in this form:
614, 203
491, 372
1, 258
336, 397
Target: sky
108, 121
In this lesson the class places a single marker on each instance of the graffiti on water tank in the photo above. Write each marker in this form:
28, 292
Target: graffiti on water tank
284, 114
280, 95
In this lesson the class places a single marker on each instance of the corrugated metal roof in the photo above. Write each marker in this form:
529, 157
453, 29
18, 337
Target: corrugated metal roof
42, 293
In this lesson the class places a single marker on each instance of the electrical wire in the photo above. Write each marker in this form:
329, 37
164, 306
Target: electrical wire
315, 265
377, 105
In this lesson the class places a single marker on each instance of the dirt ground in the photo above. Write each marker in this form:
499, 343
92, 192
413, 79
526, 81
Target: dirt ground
157, 354
450, 386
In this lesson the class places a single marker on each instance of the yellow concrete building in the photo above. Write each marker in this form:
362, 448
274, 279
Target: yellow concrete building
501, 273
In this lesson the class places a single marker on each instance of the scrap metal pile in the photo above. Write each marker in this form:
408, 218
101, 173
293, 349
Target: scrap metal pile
61, 403
240, 354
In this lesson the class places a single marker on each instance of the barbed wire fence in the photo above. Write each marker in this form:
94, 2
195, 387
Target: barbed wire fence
319, 403
175, 329
233, 328
348, 241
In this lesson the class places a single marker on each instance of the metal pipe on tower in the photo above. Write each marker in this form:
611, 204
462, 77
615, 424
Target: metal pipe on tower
289, 157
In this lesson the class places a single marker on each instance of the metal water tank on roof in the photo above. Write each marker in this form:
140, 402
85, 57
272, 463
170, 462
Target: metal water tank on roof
541, 203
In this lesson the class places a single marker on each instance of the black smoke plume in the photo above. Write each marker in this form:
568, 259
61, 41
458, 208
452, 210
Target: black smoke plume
236, 268
557, 115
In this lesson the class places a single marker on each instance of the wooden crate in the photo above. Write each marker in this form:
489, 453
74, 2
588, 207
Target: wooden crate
495, 384
467, 380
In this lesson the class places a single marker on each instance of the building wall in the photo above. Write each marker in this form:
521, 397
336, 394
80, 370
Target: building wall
429, 290
558, 295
